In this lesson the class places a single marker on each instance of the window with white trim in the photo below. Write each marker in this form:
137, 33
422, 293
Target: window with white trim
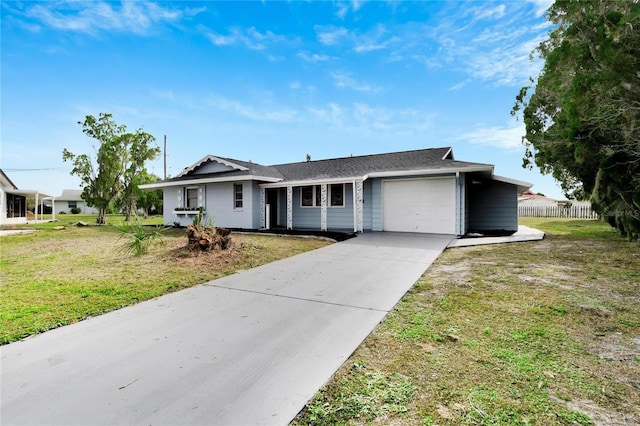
191, 198
336, 195
310, 196
237, 195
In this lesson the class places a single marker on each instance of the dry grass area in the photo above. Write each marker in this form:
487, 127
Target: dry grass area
544, 333
56, 277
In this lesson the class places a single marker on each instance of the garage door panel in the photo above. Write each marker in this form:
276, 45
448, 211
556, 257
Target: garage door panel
419, 205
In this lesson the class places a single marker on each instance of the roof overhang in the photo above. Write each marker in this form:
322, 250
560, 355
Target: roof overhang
27, 193
200, 181
282, 184
430, 172
389, 174
521, 185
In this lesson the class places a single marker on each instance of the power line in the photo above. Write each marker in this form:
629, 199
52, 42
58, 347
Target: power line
30, 170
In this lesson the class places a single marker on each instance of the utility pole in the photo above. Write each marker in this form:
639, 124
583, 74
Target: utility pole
165, 157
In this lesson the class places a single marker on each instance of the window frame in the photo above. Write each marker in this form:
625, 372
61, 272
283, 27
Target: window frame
330, 195
238, 203
186, 197
317, 196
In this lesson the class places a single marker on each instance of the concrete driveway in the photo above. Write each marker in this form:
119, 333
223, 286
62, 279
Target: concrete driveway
248, 349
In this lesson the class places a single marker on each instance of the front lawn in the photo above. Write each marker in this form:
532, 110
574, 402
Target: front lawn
544, 333
55, 277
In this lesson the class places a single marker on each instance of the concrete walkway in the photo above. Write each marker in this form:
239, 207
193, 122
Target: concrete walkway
524, 233
248, 349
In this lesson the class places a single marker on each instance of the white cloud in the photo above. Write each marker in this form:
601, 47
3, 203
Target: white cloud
505, 65
496, 52
342, 11
364, 46
223, 40
343, 7
343, 80
508, 137
541, 6
93, 17
489, 13
330, 35
333, 114
265, 112
313, 58
459, 85
363, 118
376, 39
250, 38
294, 85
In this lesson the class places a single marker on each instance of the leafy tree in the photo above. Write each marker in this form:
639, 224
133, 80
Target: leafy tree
582, 115
119, 157
134, 157
149, 200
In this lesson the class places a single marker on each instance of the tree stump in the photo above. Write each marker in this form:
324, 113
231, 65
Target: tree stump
207, 239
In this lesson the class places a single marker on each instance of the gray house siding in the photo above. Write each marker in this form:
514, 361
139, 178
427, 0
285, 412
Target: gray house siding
309, 217
342, 217
303, 217
218, 202
221, 205
493, 206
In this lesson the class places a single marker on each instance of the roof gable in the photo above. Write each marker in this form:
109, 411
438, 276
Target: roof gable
70, 195
5, 182
212, 164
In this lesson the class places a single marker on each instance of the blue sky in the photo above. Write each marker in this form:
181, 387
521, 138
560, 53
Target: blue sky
268, 82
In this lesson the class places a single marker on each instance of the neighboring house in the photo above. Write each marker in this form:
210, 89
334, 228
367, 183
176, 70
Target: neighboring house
536, 205
530, 198
13, 202
72, 198
425, 191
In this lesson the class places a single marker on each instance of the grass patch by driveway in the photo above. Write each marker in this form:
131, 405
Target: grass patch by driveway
544, 333
55, 277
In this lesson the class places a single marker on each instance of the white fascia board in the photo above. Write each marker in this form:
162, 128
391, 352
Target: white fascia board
310, 182
206, 180
444, 171
522, 185
26, 192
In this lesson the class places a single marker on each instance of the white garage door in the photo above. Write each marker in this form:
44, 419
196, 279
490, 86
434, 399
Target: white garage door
419, 205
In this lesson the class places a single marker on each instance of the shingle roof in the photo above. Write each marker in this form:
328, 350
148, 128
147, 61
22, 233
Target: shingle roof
431, 159
70, 195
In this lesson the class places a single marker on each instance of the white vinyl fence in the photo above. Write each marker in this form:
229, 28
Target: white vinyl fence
573, 212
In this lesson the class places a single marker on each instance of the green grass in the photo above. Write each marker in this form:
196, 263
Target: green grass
72, 219
542, 333
55, 277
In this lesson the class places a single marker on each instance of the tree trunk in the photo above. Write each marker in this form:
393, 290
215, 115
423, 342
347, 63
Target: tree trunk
101, 213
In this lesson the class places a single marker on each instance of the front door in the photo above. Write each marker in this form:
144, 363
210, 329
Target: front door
272, 202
